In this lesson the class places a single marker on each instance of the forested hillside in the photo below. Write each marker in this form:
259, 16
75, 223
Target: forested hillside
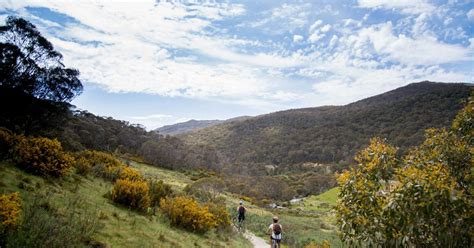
194, 125
191, 125
333, 134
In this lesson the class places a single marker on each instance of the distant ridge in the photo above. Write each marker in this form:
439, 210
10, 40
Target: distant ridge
193, 125
333, 134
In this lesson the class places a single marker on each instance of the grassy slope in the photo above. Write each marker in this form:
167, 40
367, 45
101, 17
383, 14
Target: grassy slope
323, 202
119, 226
123, 228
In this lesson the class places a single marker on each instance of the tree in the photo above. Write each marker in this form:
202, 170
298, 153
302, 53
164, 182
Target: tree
29, 64
424, 199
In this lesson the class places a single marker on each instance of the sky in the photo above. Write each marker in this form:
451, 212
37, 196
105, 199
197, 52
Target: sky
156, 63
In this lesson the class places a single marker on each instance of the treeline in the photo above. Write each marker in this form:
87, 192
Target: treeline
333, 134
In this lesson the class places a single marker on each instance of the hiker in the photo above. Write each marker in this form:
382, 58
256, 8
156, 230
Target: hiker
275, 233
241, 211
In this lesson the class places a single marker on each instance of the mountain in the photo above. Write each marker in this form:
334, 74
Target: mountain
333, 134
193, 125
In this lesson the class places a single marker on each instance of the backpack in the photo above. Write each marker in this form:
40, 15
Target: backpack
241, 210
276, 229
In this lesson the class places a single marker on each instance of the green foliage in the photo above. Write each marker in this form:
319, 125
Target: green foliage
186, 212
31, 65
158, 191
41, 156
206, 189
425, 199
133, 194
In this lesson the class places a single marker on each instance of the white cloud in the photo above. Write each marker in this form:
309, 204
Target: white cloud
297, 38
137, 43
316, 36
470, 15
424, 50
293, 15
325, 28
405, 6
317, 31
315, 25
148, 117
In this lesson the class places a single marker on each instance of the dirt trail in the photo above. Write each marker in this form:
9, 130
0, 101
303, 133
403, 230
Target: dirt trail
257, 242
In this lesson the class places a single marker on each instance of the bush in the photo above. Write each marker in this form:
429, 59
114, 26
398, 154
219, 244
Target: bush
186, 212
158, 191
206, 189
134, 194
130, 174
10, 210
104, 165
220, 213
100, 163
6, 142
83, 166
41, 156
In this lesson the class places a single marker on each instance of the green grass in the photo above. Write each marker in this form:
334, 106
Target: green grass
321, 203
119, 227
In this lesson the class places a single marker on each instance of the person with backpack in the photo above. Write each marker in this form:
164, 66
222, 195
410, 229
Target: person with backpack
241, 212
275, 233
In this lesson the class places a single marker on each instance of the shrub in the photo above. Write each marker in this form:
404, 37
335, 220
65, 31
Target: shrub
220, 213
6, 142
83, 166
158, 191
134, 194
186, 212
10, 210
101, 164
104, 165
97, 158
41, 156
206, 189
130, 174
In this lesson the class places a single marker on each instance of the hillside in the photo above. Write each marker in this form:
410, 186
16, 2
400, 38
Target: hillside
182, 127
113, 225
333, 134
193, 125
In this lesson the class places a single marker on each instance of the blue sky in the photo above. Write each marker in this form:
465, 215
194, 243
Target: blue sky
158, 63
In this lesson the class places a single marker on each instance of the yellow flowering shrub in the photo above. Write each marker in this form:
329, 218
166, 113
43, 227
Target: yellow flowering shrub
421, 200
103, 165
10, 210
186, 212
220, 213
134, 194
41, 156
96, 158
130, 174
